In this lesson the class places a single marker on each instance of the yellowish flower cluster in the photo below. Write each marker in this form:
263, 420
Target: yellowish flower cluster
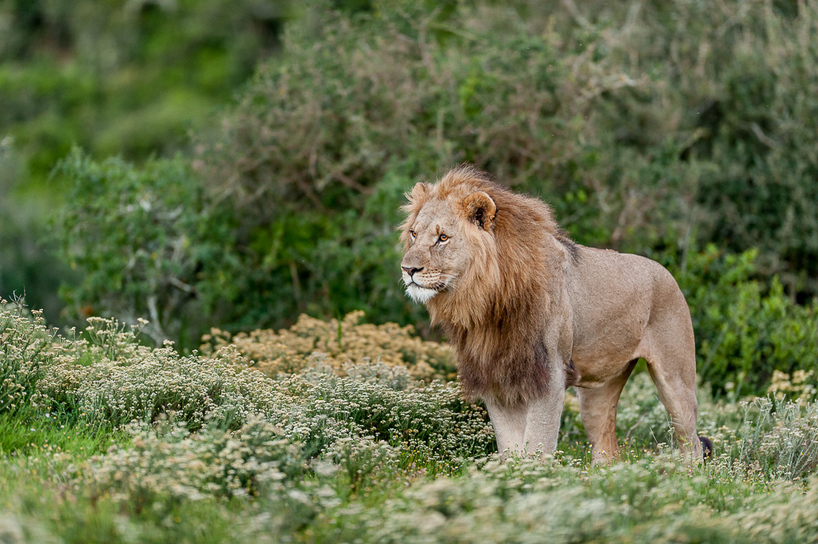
290, 351
795, 386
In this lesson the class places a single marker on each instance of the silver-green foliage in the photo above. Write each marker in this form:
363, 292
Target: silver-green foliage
374, 456
25, 345
115, 380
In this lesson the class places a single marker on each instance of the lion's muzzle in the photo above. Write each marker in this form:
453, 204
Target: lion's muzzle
421, 283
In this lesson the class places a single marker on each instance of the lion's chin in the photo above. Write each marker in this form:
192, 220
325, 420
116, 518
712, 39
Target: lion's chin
420, 294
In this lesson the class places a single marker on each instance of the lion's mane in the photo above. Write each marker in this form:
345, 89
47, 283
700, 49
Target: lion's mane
496, 316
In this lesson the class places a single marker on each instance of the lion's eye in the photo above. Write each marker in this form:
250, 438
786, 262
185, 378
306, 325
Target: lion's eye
443, 237
413, 234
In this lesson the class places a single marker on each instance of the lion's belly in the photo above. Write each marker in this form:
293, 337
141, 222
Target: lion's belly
596, 365
606, 353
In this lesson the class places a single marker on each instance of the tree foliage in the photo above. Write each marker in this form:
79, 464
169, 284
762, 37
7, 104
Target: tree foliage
656, 127
115, 77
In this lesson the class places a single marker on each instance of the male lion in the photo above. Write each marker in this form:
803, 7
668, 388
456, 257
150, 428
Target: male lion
530, 312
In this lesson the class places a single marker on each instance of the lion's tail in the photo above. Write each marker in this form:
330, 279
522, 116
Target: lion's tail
707, 447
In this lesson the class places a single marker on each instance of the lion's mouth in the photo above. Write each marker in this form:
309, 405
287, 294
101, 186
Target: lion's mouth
423, 291
420, 294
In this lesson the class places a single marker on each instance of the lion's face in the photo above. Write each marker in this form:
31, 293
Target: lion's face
437, 253
444, 237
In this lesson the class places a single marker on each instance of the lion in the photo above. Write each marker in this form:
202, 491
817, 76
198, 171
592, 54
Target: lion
530, 312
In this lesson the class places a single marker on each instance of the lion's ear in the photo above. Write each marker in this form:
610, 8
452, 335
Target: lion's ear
480, 209
418, 192
416, 197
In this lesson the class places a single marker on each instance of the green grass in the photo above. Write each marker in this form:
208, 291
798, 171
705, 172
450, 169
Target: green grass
29, 431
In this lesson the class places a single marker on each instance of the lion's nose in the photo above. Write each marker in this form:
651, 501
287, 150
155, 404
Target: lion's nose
411, 270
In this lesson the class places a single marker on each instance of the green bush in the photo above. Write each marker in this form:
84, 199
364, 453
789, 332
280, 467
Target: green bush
150, 242
320, 148
764, 187
146, 243
635, 151
655, 128
122, 77
744, 330
116, 77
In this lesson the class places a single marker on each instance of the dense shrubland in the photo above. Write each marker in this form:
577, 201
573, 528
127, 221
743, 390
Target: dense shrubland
671, 130
127, 442
679, 130
124, 77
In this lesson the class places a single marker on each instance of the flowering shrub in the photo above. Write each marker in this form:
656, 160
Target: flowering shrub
168, 462
799, 385
361, 462
779, 437
143, 383
24, 355
431, 425
380, 404
291, 350
365, 451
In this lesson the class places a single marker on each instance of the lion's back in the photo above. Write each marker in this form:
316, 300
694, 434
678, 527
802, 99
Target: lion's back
603, 281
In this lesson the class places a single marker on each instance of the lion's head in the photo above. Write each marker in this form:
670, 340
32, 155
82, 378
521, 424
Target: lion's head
474, 249
448, 238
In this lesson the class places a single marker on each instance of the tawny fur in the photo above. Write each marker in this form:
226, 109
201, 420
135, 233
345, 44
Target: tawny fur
530, 312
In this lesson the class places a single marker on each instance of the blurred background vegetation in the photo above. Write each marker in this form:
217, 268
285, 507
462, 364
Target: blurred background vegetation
236, 163
129, 78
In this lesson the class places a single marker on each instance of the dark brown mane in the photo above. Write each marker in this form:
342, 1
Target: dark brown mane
497, 326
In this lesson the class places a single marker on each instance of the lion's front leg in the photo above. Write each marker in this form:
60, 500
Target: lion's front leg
509, 422
544, 414
543, 418
526, 427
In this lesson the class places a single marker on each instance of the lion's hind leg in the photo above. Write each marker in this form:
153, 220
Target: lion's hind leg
597, 409
670, 351
674, 374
